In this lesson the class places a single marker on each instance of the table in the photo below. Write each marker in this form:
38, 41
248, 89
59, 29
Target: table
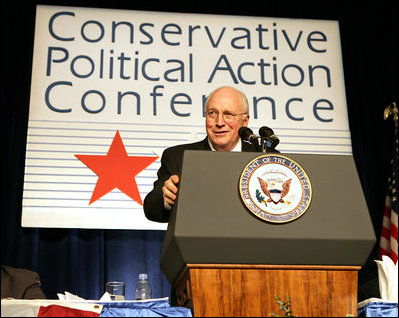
91, 308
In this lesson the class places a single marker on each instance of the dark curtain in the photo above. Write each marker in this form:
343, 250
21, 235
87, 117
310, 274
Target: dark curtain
370, 45
81, 261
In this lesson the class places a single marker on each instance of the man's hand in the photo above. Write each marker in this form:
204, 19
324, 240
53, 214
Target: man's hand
170, 189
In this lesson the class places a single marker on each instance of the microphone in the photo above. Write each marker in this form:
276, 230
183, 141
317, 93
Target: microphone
268, 134
246, 134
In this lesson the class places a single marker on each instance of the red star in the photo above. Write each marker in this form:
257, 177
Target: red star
116, 170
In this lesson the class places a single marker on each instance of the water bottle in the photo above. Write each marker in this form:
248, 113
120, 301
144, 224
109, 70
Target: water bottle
143, 288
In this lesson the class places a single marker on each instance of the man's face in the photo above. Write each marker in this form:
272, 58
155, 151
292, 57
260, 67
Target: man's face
222, 132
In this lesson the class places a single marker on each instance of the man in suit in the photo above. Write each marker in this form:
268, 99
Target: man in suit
226, 112
20, 283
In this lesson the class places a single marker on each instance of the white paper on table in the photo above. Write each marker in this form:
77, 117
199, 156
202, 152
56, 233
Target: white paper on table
68, 296
71, 297
105, 297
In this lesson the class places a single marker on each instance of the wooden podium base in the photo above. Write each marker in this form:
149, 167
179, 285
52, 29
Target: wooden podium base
239, 290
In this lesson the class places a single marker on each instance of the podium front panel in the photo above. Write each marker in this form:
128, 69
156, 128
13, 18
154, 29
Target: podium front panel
211, 224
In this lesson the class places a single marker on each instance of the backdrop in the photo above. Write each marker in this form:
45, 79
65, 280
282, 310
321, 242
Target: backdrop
81, 261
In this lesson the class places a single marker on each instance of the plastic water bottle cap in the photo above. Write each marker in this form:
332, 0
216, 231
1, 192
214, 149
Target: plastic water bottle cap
143, 276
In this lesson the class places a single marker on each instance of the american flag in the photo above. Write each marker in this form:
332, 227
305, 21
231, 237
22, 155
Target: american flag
389, 234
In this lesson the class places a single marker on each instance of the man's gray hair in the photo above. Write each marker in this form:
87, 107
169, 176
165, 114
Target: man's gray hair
244, 100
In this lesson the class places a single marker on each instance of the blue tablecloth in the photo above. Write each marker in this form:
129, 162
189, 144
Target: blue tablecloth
152, 308
378, 309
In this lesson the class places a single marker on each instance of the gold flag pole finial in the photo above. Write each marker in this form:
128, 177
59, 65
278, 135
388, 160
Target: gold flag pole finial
392, 109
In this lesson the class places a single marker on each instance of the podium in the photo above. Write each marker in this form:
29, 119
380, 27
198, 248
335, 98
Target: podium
222, 260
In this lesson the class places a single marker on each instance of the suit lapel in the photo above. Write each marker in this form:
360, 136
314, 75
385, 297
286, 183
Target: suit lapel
204, 145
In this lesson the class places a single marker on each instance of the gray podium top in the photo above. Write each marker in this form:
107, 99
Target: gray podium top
211, 224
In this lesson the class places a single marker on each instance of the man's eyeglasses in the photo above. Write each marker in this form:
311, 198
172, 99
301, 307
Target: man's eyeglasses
227, 116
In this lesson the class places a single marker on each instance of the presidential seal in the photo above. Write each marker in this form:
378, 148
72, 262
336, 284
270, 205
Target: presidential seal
275, 188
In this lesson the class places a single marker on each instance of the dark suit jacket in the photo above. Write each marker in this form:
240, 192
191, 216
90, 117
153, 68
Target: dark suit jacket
171, 162
20, 283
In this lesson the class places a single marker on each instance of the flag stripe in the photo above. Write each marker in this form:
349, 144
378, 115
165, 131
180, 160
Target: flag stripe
386, 232
389, 231
384, 246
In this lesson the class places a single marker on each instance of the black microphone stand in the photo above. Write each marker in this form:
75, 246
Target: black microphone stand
255, 142
263, 145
